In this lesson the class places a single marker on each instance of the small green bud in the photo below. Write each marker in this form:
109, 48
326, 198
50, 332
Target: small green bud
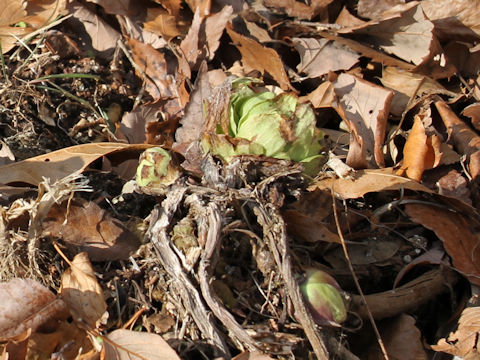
156, 170
322, 294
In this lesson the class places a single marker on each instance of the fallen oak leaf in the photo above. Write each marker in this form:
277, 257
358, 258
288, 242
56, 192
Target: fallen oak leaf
82, 293
84, 225
258, 57
464, 341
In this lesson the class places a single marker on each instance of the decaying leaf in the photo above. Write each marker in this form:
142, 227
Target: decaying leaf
86, 227
26, 305
67, 161
421, 152
258, 57
82, 293
319, 56
366, 106
459, 235
464, 341
135, 345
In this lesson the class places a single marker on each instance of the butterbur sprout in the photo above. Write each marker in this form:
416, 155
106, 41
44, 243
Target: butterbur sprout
322, 294
264, 123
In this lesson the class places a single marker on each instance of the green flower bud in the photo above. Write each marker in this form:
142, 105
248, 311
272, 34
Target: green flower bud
156, 170
322, 294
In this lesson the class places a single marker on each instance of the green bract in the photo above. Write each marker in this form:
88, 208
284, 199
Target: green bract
278, 126
322, 294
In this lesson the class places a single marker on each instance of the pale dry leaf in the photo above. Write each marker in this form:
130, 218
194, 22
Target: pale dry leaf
292, 8
86, 227
459, 237
366, 106
134, 123
454, 17
464, 341
202, 5
406, 34
421, 152
259, 33
26, 304
455, 185
465, 139
214, 27
255, 56
162, 23
322, 97
189, 44
6, 155
365, 181
135, 345
408, 85
473, 112
96, 34
320, 56
35, 14
373, 9
67, 161
82, 293
346, 19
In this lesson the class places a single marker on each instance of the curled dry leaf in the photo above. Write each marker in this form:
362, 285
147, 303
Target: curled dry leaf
458, 233
320, 56
366, 106
82, 293
258, 57
421, 152
464, 341
67, 161
134, 345
26, 304
84, 225
465, 139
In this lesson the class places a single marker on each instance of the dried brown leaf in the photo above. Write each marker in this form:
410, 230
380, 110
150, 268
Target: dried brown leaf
71, 160
96, 33
366, 181
454, 17
396, 334
255, 56
86, 227
189, 45
214, 27
26, 304
162, 23
320, 56
460, 237
473, 112
464, 341
82, 293
135, 345
466, 140
373, 9
421, 152
292, 8
323, 96
366, 106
